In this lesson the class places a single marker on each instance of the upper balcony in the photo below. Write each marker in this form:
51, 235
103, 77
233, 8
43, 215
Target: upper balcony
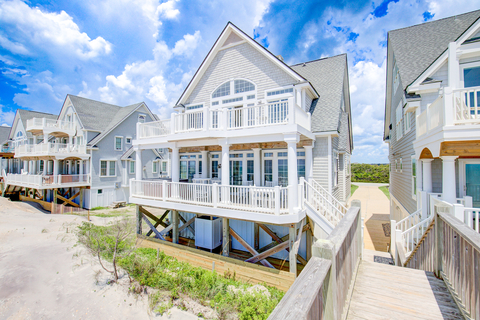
279, 117
57, 150
40, 181
57, 128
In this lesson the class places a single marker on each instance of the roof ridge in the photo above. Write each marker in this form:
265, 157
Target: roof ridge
19, 109
432, 21
315, 60
113, 105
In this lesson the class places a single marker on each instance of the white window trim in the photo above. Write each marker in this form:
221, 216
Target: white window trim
108, 168
142, 115
335, 169
414, 186
130, 166
126, 142
155, 166
115, 143
233, 95
194, 104
464, 66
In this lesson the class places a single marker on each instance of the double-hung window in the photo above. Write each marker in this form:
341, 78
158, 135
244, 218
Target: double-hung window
118, 143
414, 177
154, 166
107, 168
131, 167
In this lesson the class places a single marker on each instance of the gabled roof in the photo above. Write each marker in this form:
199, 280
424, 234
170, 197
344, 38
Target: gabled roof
327, 77
4, 132
417, 47
94, 115
229, 28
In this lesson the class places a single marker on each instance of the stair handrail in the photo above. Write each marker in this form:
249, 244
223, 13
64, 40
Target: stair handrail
326, 194
409, 221
407, 241
337, 214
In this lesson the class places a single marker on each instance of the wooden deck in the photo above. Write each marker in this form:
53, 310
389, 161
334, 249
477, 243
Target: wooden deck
383, 291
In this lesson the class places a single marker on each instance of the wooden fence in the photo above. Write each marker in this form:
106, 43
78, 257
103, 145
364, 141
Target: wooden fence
324, 288
451, 249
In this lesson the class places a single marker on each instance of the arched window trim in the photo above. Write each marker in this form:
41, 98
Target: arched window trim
218, 101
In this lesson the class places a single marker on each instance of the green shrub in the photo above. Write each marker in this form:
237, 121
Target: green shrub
374, 173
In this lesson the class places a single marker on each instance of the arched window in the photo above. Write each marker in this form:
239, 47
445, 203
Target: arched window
222, 91
234, 87
243, 86
19, 134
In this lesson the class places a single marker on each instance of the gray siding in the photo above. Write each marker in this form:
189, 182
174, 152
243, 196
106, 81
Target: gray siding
241, 61
320, 161
337, 190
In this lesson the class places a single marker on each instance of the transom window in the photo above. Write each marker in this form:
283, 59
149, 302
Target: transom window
277, 92
238, 90
243, 86
222, 91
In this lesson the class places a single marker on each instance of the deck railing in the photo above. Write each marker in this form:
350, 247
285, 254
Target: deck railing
467, 105
155, 129
323, 288
44, 123
50, 148
431, 118
334, 201
39, 180
189, 121
272, 200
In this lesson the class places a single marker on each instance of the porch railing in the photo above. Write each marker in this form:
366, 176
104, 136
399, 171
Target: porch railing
273, 200
49, 123
155, 129
50, 148
330, 210
431, 118
467, 105
40, 180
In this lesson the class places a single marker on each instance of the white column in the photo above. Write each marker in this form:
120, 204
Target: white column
204, 164
30, 166
225, 164
81, 167
175, 174
70, 138
138, 164
45, 165
71, 163
45, 137
449, 189
292, 141
427, 175
308, 162
257, 167
55, 171
25, 166
34, 166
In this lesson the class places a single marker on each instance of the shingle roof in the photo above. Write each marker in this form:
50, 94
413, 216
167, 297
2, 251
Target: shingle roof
327, 77
4, 132
27, 115
94, 115
417, 47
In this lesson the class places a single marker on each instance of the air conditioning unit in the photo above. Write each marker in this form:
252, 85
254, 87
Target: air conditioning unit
208, 233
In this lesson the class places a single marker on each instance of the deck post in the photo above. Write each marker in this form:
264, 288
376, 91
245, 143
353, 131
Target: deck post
139, 219
175, 226
226, 237
438, 245
292, 254
326, 249
256, 244
81, 198
308, 237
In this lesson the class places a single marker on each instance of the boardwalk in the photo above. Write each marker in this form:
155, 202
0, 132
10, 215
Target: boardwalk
376, 215
387, 292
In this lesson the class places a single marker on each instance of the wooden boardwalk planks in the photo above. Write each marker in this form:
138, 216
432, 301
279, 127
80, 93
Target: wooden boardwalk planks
388, 292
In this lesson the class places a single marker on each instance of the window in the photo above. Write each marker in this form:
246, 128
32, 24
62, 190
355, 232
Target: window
164, 166
250, 155
301, 168
232, 100
282, 154
198, 106
183, 170
222, 91
154, 166
243, 86
268, 154
42, 164
103, 168
471, 77
277, 92
141, 118
408, 121
236, 155
112, 168
131, 167
250, 168
215, 169
252, 96
414, 178
118, 143
215, 156
99, 191
215, 103
128, 140
200, 169
268, 165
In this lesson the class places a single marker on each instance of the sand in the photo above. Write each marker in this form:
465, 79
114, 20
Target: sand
43, 276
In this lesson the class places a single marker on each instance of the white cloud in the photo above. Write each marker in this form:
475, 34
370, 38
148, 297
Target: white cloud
187, 45
48, 31
168, 10
6, 117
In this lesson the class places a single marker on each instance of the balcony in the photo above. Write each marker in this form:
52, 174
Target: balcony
58, 150
223, 122
50, 127
47, 181
467, 105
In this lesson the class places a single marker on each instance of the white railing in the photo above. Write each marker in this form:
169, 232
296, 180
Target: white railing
46, 180
321, 204
431, 118
24, 179
258, 116
189, 121
272, 200
472, 216
409, 221
73, 178
467, 105
43, 123
50, 148
410, 237
154, 129
337, 204
303, 118
215, 116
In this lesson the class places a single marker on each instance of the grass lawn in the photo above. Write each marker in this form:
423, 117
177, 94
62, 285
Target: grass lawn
353, 188
385, 191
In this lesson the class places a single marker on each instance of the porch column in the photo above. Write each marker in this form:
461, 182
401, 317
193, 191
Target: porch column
175, 226
30, 166
292, 141
308, 162
257, 167
138, 164
45, 137
427, 175
449, 189
204, 164
225, 163
81, 167
45, 165
25, 166
175, 174
70, 166
55, 171
70, 140
34, 166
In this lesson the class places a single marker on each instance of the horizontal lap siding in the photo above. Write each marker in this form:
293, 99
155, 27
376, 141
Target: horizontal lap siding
338, 189
241, 61
320, 162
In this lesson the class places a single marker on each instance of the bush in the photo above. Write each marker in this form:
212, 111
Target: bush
374, 173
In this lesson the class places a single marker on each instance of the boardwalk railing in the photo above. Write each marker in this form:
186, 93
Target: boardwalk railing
451, 249
324, 287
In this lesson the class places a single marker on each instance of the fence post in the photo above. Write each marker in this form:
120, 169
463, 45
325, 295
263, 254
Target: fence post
301, 193
458, 212
358, 204
277, 200
325, 249
438, 268
164, 190
468, 201
215, 195
398, 238
424, 204
393, 241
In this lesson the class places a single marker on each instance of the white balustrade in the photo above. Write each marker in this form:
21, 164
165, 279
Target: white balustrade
330, 198
189, 121
409, 221
430, 118
38, 180
154, 129
43, 123
467, 105
330, 210
50, 148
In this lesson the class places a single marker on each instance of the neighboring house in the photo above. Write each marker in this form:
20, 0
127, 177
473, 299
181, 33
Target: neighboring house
254, 142
432, 115
6, 152
87, 151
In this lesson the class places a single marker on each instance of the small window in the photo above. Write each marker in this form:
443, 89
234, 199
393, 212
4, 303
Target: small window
118, 143
277, 92
215, 156
198, 106
222, 91
215, 103
300, 153
414, 178
236, 155
282, 154
128, 140
268, 154
251, 97
250, 170
200, 167
103, 168
112, 168
131, 167
154, 167
232, 100
164, 166
99, 191
250, 155
141, 118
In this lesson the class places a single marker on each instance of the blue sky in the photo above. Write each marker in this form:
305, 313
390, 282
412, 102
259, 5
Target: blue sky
126, 51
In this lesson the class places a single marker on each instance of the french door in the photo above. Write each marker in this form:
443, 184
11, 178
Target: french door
236, 172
